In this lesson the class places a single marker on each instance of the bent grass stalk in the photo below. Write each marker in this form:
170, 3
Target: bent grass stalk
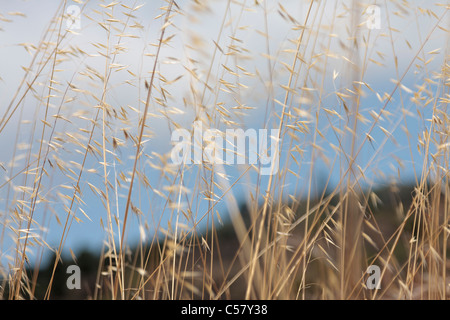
340, 94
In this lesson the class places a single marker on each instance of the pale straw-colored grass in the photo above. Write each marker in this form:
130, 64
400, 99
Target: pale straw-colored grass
89, 128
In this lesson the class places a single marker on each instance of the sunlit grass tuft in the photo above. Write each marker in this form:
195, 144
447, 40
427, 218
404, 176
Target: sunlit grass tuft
359, 109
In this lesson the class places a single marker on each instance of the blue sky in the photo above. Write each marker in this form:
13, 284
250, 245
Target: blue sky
195, 33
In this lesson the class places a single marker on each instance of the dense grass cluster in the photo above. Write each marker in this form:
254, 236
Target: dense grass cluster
86, 139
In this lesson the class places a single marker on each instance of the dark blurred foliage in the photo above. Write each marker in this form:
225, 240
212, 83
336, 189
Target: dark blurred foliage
388, 207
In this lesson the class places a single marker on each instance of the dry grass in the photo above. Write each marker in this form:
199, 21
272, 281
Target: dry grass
89, 131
